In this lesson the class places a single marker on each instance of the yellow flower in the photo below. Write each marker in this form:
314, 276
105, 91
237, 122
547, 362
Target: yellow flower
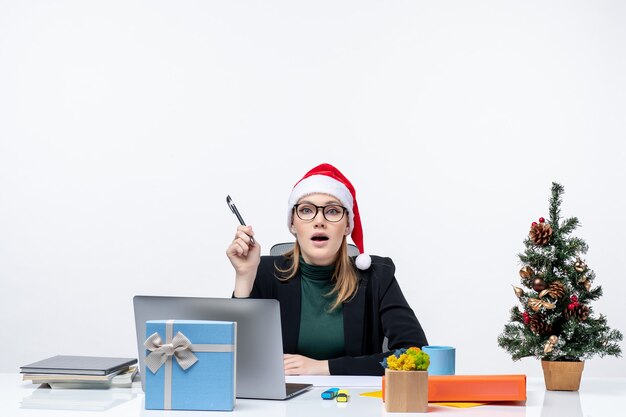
392, 363
409, 363
403, 363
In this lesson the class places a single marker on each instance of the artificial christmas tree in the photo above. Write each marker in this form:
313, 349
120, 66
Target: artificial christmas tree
556, 322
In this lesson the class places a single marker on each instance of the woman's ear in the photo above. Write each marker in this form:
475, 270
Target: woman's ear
347, 232
293, 229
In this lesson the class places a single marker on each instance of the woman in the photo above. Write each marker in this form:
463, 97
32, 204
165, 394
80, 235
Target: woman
335, 310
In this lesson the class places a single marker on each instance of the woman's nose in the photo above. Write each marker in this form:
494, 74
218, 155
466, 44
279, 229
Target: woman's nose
319, 219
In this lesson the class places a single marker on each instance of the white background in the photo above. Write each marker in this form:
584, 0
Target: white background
124, 124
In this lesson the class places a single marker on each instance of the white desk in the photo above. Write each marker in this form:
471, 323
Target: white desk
598, 397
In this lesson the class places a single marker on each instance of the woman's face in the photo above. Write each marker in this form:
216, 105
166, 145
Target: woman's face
319, 239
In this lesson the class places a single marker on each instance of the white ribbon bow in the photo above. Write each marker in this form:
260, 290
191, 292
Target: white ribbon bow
160, 352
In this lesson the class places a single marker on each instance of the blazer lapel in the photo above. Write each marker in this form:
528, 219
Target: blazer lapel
353, 321
290, 294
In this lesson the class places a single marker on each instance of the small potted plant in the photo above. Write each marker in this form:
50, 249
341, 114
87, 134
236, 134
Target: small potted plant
406, 381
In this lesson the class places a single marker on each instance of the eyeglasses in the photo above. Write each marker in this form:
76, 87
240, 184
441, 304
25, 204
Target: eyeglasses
307, 212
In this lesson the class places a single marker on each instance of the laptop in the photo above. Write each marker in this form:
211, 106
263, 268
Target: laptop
260, 372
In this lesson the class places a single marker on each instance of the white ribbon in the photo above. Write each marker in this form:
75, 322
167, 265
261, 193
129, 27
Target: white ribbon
160, 352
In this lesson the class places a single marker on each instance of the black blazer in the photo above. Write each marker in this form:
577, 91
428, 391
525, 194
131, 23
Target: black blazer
377, 310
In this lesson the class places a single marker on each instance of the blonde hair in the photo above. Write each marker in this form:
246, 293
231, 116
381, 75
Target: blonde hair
344, 276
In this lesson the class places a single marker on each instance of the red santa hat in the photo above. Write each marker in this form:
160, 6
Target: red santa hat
327, 179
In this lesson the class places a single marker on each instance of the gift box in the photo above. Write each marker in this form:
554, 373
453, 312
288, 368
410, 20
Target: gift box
190, 365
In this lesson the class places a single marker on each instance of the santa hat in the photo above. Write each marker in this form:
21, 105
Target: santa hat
327, 179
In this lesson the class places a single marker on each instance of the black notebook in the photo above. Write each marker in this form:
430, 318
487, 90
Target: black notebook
78, 365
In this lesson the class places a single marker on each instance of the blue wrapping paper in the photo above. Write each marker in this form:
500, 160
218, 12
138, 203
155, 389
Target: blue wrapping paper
209, 383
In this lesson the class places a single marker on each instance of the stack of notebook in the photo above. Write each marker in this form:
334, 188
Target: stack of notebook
81, 372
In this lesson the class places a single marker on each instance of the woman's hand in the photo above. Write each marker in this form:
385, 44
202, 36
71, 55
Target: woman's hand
245, 259
301, 365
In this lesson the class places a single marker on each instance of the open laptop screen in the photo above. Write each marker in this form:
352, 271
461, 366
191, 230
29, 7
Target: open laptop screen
260, 372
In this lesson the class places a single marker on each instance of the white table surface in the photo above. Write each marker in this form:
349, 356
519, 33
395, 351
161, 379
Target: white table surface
597, 397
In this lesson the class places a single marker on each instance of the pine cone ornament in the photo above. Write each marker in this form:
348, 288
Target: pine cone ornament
556, 291
538, 325
568, 313
580, 311
540, 233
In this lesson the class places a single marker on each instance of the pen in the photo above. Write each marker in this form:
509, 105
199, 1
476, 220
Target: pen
233, 208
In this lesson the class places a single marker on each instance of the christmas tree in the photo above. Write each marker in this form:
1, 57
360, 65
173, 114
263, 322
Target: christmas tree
556, 321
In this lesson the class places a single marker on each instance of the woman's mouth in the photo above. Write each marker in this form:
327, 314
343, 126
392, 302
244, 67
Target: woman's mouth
319, 238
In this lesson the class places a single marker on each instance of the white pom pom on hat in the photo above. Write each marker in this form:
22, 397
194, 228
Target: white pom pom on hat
327, 179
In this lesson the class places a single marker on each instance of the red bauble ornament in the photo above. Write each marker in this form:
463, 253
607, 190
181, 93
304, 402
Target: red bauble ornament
571, 306
534, 223
574, 298
526, 317
542, 220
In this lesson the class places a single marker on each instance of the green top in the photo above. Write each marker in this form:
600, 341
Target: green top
321, 330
